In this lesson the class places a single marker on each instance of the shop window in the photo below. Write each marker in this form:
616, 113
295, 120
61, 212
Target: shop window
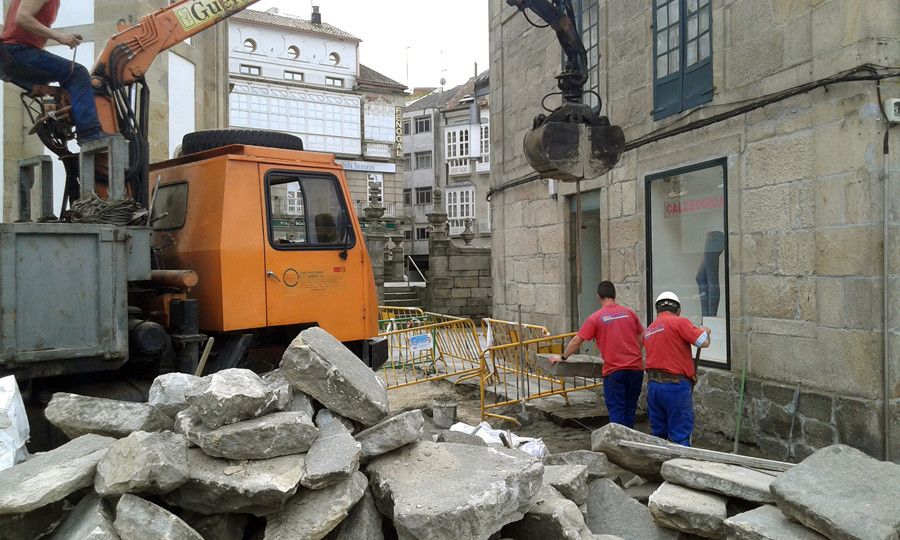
682, 48
687, 239
250, 70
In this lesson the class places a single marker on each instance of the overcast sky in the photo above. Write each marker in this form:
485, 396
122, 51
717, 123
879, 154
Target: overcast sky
459, 28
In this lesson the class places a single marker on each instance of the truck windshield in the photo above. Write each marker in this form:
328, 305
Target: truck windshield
307, 211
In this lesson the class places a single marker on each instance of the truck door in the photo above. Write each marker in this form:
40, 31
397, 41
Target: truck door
314, 262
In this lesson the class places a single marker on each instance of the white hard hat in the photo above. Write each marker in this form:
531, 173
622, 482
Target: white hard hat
667, 295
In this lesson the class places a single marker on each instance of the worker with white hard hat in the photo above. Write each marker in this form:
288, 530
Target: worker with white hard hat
670, 369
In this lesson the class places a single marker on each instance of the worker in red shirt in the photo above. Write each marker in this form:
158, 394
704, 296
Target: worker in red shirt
25, 33
670, 368
617, 331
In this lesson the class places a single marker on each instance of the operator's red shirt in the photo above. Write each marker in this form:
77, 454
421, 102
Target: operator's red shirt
617, 330
13, 35
668, 342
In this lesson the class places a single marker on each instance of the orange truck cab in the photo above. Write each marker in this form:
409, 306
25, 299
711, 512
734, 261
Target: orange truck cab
277, 246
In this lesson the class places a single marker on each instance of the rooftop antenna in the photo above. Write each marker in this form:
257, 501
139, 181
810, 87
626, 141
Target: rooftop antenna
407, 66
443, 70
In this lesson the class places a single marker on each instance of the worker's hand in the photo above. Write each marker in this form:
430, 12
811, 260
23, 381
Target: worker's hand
707, 330
70, 40
555, 359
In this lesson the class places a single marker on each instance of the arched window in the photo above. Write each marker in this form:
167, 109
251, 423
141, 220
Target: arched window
334, 58
249, 45
293, 52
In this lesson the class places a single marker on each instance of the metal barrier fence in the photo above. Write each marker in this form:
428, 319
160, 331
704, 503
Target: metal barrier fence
510, 375
393, 317
443, 347
497, 332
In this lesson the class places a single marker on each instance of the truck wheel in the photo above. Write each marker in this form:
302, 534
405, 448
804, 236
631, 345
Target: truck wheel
217, 138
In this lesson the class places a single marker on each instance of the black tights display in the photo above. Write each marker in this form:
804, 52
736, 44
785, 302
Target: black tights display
708, 273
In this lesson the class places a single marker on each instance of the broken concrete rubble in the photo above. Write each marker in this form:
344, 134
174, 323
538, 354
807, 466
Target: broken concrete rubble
332, 458
300, 402
842, 493
51, 476
363, 522
146, 463
79, 415
687, 510
391, 434
256, 487
229, 396
482, 489
641, 462
217, 526
279, 385
459, 437
35, 524
91, 519
322, 367
598, 466
312, 514
611, 511
728, 480
569, 480
767, 523
324, 416
273, 435
138, 519
551, 516
577, 365
167, 392
641, 492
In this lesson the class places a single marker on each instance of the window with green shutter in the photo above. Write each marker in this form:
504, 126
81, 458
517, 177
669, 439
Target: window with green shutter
682, 55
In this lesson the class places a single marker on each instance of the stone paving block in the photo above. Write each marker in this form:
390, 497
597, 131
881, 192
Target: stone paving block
79, 415
644, 463
139, 519
391, 434
611, 511
320, 366
312, 514
257, 487
842, 493
722, 478
52, 476
229, 396
569, 480
272, 435
167, 392
690, 511
577, 365
91, 519
483, 489
147, 463
598, 466
767, 523
332, 458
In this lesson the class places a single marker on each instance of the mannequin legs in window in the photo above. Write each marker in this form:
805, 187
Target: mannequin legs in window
708, 273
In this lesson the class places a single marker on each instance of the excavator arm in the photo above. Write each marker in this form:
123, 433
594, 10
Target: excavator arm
128, 55
572, 142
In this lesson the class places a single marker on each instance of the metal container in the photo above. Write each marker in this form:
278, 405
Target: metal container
63, 296
443, 412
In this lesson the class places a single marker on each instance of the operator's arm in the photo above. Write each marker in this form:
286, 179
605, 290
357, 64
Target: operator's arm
26, 18
571, 348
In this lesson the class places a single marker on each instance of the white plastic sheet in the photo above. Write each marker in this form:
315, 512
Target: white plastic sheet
14, 429
486, 433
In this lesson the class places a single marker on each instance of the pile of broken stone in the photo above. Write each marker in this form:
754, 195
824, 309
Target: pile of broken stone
309, 451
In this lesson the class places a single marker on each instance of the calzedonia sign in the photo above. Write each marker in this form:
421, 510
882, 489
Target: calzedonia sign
695, 205
203, 13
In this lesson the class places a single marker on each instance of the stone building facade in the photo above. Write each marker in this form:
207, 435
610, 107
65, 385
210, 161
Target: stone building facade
305, 77
188, 89
776, 222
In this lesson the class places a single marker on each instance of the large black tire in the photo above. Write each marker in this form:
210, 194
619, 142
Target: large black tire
217, 138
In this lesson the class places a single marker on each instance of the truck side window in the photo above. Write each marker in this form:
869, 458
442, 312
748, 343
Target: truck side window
170, 207
307, 211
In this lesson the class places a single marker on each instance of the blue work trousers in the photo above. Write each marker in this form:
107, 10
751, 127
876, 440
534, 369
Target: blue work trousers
74, 80
621, 390
671, 411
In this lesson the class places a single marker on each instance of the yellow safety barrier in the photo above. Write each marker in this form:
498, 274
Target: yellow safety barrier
498, 332
511, 376
447, 347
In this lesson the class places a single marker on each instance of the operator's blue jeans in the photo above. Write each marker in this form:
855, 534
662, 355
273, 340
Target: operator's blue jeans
621, 390
671, 411
77, 82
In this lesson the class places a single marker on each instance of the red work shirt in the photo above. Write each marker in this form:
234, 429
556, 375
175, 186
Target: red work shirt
668, 342
13, 35
617, 330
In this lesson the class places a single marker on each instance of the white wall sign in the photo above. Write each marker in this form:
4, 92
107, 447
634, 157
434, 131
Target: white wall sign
367, 166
